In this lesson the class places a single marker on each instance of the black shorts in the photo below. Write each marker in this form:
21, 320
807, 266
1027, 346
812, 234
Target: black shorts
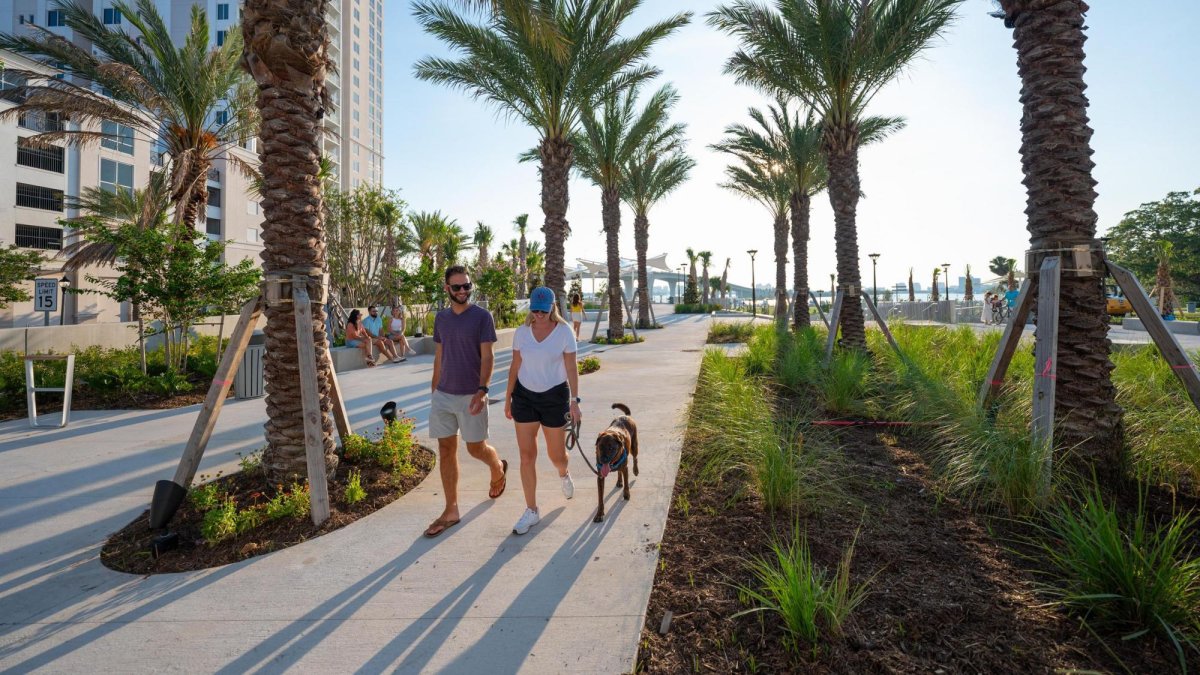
549, 408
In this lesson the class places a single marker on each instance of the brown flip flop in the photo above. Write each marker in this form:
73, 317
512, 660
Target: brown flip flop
441, 525
502, 481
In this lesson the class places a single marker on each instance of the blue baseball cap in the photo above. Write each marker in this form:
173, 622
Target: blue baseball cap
541, 299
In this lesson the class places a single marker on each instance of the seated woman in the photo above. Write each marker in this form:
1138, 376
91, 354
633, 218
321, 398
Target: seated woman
357, 336
396, 331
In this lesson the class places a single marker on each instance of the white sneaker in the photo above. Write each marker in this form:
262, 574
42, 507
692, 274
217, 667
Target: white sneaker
528, 520
568, 486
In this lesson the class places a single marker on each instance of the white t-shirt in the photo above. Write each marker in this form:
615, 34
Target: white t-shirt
542, 366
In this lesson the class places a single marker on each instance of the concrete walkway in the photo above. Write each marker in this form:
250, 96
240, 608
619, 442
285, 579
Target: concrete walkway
374, 596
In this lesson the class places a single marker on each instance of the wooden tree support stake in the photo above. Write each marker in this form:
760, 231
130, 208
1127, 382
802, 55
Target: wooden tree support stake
217, 393
835, 317
820, 312
629, 313
882, 324
1183, 368
1045, 362
310, 397
1008, 344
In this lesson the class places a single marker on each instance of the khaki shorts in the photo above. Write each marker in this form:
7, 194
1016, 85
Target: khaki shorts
448, 416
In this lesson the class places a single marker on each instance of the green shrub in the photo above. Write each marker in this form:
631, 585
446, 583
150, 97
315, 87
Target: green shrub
354, 492
588, 364
205, 497
626, 339
169, 383
221, 522
393, 451
1133, 577
288, 504
696, 308
844, 382
722, 332
808, 601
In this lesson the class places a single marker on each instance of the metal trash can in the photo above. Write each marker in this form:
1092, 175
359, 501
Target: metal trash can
250, 381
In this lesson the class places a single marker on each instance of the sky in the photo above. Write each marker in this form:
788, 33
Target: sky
946, 189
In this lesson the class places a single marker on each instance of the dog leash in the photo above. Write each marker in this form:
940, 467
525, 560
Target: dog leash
573, 441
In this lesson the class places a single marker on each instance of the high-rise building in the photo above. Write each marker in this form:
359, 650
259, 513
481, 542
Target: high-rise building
32, 195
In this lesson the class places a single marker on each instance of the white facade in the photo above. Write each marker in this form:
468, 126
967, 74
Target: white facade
354, 145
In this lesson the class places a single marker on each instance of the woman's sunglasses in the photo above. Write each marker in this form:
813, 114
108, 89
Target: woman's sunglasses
538, 311
460, 287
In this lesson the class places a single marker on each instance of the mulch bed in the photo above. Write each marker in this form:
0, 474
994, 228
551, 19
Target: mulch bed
51, 403
947, 595
129, 549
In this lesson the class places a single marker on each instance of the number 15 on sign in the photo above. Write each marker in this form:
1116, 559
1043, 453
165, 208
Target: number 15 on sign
45, 295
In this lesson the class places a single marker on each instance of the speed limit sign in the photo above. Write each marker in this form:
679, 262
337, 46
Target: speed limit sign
45, 295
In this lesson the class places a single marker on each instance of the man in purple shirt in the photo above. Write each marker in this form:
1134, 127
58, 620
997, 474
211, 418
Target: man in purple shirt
463, 335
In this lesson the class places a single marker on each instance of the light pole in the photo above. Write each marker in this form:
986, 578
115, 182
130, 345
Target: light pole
874, 284
64, 284
946, 274
682, 284
753, 289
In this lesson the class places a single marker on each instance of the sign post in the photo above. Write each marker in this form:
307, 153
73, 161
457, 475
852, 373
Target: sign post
45, 297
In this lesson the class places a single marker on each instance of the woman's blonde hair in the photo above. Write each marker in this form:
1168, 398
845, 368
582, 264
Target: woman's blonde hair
555, 316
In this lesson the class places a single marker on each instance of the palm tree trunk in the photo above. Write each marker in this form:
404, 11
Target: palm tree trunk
195, 178
841, 154
610, 209
641, 242
781, 244
286, 53
799, 207
556, 155
523, 269
1056, 158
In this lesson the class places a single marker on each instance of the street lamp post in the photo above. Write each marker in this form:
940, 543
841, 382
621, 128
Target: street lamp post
874, 284
64, 284
946, 273
753, 289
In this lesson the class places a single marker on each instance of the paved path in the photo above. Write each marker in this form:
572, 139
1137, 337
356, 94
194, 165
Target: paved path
374, 596
1116, 333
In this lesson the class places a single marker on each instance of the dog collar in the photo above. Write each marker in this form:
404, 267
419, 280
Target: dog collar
614, 465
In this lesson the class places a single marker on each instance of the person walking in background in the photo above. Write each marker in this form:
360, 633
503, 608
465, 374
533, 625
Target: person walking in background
576, 312
373, 324
396, 330
463, 337
357, 336
543, 390
986, 312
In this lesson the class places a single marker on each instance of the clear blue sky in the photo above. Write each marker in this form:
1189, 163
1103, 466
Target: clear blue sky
946, 189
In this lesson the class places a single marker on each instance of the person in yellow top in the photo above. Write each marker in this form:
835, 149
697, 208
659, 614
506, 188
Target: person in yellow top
576, 312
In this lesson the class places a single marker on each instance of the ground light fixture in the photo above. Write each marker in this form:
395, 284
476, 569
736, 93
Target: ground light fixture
753, 288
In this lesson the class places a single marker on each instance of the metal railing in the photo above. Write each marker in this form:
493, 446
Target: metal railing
44, 158
38, 197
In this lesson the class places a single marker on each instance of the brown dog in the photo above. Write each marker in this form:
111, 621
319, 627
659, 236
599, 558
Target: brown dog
616, 446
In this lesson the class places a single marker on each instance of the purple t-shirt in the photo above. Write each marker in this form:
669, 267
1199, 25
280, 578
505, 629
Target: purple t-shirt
460, 336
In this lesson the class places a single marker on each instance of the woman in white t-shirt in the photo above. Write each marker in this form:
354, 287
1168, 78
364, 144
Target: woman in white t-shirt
543, 390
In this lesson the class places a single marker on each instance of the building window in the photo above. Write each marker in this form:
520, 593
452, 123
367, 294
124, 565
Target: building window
117, 137
223, 11
221, 118
116, 176
55, 18
38, 197
112, 16
252, 235
39, 121
213, 226
32, 236
214, 197
39, 157
221, 37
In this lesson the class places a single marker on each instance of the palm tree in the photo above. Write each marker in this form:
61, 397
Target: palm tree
969, 287
437, 237
536, 259
933, 295
287, 54
705, 260
835, 55
1000, 265
912, 293
511, 248
510, 62
762, 177
725, 281
193, 101
522, 223
612, 135
691, 282
146, 208
649, 177
483, 239
389, 217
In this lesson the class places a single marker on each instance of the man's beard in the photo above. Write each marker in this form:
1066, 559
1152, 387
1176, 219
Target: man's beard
464, 301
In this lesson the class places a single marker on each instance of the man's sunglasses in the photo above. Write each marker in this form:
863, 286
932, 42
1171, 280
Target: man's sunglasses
460, 287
